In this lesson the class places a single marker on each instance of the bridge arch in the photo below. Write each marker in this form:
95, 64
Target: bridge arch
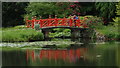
75, 31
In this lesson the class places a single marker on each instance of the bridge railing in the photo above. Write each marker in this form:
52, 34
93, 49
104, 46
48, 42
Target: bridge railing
56, 22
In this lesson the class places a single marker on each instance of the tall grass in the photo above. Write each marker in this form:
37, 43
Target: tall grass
20, 35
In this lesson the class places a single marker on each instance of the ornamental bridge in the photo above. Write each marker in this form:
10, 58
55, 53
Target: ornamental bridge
75, 25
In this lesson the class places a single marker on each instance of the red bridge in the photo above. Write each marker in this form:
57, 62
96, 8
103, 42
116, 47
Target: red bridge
56, 22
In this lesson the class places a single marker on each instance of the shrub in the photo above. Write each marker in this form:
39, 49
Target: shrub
110, 32
21, 35
94, 21
37, 26
20, 27
60, 32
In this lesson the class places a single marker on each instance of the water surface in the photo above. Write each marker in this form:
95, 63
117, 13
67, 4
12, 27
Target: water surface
87, 54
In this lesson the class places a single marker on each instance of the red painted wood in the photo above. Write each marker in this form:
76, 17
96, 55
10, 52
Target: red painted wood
55, 22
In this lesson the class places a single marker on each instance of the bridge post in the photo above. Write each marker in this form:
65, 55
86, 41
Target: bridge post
56, 20
40, 17
87, 33
75, 33
55, 16
40, 22
49, 16
46, 33
33, 21
27, 21
70, 22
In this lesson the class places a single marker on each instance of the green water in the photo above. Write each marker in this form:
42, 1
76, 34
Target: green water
87, 54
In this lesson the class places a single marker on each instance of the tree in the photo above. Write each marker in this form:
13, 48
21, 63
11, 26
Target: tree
45, 9
87, 8
106, 10
118, 8
117, 19
11, 13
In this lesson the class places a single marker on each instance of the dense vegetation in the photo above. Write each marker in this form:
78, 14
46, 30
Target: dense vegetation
18, 34
112, 31
77, 8
102, 17
14, 12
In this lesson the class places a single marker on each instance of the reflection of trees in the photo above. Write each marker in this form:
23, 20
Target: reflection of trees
108, 55
13, 58
84, 40
118, 55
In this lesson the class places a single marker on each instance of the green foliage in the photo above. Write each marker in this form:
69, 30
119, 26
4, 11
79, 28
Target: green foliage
110, 32
60, 32
11, 13
37, 26
96, 23
86, 8
92, 21
20, 35
117, 19
62, 9
106, 9
19, 27
45, 9
118, 8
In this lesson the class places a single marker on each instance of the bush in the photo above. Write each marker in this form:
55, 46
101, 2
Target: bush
110, 32
20, 27
60, 32
37, 26
45, 9
93, 21
21, 35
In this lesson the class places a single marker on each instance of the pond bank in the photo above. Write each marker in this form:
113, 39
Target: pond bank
39, 44
108, 32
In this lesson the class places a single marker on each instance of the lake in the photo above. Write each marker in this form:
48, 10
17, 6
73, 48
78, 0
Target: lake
86, 54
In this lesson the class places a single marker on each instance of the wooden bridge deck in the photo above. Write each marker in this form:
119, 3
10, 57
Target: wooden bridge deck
68, 27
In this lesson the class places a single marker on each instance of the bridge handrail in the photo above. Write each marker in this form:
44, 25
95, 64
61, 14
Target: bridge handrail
56, 22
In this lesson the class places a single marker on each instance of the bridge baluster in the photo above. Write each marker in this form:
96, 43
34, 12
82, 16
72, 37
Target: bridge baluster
55, 16
78, 23
65, 21
26, 19
40, 22
40, 17
33, 21
71, 22
56, 20
49, 16
49, 20
35, 17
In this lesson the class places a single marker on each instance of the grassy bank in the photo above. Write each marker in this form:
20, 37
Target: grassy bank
15, 34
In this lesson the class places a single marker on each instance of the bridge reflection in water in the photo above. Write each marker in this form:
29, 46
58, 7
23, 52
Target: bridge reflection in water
71, 55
